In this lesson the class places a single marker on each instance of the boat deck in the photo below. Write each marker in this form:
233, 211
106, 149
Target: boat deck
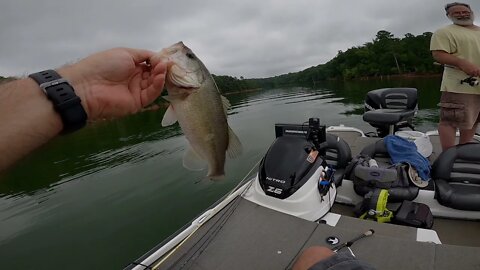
245, 235
456, 232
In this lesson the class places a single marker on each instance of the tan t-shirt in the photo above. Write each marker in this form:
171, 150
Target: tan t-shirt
463, 43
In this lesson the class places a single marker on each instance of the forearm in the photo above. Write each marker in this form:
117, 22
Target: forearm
445, 58
27, 119
110, 84
451, 60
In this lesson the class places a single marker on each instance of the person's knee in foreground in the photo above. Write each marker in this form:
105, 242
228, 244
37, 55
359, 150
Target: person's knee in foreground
456, 46
322, 258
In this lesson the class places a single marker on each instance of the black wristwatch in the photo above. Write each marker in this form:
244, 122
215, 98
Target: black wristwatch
63, 97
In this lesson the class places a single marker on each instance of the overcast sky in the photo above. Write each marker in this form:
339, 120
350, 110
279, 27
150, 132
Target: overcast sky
250, 38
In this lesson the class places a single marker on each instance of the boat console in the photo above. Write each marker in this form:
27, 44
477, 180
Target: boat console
389, 109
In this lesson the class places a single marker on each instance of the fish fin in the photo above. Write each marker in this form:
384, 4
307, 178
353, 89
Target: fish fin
192, 161
182, 79
169, 118
234, 149
226, 104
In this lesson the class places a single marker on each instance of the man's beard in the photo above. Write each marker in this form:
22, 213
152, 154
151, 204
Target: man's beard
463, 21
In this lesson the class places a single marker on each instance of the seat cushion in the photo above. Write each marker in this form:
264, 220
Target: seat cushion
395, 194
387, 116
458, 195
456, 173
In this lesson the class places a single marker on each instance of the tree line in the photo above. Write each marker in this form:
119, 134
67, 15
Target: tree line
385, 55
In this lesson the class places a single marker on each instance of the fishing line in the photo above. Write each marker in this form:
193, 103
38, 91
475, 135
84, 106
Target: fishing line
215, 229
301, 248
208, 235
224, 217
218, 225
211, 234
330, 201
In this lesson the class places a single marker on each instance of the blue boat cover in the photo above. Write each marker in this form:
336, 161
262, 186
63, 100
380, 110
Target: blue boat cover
404, 151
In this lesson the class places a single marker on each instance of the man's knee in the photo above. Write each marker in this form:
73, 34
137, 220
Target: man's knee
310, 256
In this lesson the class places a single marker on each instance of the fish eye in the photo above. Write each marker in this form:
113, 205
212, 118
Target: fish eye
190, 55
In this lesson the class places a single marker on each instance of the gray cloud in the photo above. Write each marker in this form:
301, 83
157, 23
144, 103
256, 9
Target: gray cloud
239, 38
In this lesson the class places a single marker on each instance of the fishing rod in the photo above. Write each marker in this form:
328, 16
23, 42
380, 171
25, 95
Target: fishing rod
350, 243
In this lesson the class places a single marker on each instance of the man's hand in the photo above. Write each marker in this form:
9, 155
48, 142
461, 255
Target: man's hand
469, 68
116, 82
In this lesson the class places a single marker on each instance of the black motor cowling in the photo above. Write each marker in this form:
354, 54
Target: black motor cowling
291, 161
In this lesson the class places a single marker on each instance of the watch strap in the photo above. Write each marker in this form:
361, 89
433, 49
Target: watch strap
63, 97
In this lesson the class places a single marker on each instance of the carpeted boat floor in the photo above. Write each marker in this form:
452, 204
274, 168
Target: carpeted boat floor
245, 235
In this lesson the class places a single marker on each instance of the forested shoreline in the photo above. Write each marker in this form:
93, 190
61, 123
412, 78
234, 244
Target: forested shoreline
384, 56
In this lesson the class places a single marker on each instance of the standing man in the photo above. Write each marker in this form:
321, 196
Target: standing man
457, 47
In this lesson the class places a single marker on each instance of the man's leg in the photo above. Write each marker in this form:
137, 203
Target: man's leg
466, 135
447, 135
311, 256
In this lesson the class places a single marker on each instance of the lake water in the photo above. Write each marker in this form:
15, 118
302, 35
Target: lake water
103, 196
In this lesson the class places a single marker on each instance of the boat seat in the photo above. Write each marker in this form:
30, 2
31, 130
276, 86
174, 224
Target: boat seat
389, 109
387, 116
338, 155
379, 152
456, 173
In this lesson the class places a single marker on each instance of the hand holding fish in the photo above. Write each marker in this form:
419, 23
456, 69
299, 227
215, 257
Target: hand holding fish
110, 84
116, 82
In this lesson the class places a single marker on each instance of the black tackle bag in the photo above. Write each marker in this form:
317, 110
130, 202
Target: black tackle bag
414, 214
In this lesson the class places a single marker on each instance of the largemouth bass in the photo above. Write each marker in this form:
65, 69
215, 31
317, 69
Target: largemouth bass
196, 103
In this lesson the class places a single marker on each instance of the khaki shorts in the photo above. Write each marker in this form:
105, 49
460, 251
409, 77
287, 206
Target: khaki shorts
459, 110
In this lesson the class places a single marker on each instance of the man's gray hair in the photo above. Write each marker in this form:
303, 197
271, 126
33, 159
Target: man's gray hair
448, 6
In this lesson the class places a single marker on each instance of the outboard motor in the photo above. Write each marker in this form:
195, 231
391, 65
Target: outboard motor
292, 159
294, 177
390, 109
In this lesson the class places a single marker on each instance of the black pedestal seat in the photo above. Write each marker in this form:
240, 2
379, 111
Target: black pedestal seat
387, 116
456, 173
389, 109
